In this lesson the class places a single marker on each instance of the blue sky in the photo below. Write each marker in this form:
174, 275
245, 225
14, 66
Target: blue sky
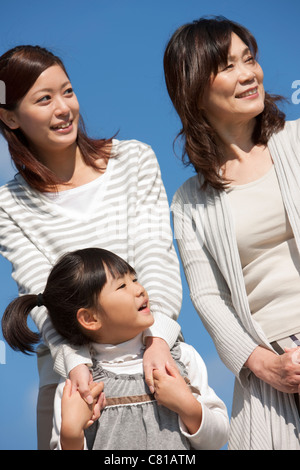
113, 52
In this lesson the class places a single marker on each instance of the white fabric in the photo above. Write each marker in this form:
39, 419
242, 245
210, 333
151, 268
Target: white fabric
262, 417
130, 216
269, 256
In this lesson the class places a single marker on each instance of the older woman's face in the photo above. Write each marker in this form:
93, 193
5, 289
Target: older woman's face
236, 93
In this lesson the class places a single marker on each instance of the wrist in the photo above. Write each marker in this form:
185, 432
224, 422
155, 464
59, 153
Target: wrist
149, 340
191, 415
71, 438
260, 360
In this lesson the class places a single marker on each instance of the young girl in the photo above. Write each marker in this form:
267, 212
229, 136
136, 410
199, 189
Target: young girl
94, 298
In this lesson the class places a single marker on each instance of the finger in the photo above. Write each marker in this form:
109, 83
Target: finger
158, 374
172, 369
149, 379
100, 404
87, 396
96, 388
67, 391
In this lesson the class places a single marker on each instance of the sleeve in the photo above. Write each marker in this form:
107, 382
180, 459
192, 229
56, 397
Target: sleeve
55, 437
214, 429
55, 443
209, 291
30, 269
156, 261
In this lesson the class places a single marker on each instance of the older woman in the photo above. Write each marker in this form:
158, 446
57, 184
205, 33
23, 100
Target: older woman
237, 223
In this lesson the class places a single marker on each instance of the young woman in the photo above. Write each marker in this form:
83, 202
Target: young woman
237, 223
93, 297
73, 192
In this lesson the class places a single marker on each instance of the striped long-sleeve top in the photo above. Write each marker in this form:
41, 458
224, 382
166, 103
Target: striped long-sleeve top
129, 215
262, 417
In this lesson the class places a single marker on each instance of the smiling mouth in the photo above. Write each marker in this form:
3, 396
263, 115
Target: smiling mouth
62, 126
145, 305
251, 92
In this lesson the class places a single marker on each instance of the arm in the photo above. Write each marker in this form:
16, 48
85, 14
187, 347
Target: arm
209, 291
72, 416
172, 391
203, 416
156, 263
212, 299
281, 372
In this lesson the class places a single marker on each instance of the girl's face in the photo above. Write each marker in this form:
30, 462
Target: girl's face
48, 114
236, 93
124, 309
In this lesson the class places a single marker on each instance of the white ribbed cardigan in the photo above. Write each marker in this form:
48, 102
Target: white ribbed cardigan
262, 417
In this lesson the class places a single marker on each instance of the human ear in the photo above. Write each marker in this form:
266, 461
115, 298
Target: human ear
9, 118
88, 319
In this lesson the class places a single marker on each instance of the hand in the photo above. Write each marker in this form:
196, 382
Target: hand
81, 377
172, 391
156, 355
77, 415
280, 371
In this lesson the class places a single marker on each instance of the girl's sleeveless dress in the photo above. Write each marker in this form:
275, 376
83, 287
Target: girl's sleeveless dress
132, 419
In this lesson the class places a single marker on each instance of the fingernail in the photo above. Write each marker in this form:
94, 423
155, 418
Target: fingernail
89, 400
151, 389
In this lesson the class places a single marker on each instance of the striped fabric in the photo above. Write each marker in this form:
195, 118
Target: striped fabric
128, 215
262, 417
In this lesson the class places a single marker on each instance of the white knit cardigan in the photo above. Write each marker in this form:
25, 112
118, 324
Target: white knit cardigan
262, 417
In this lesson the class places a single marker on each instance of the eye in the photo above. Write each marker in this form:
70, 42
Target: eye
228, 67
44, 99
121, 286
69, 91
250, 59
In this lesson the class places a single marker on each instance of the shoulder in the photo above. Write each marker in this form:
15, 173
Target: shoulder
189, 192
190, 356
124, 148
9, 189
134, 156
291, 130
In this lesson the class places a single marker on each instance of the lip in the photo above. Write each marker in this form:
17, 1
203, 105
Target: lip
251, 93
62, 130
146, 309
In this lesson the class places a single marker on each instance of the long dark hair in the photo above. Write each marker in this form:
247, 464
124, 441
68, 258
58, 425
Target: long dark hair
74, 282
19, 69
194, 53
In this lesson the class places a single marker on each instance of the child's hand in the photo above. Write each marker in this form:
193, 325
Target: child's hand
170, 388
172, 391
77, 415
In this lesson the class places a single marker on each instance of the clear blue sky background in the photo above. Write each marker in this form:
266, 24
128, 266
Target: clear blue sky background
113, 51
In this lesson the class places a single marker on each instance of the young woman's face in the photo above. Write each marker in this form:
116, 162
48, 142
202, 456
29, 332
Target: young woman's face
124, 309
48, 114
236, 93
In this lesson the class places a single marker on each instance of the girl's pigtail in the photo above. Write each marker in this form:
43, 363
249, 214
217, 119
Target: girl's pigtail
14, 324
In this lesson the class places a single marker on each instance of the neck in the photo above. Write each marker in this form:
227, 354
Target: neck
235, 140
63, 163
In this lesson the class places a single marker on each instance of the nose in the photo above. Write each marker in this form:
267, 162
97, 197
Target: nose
246, 74
139, 289
61, 107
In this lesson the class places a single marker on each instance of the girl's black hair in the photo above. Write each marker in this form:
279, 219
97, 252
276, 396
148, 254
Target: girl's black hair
74, 282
